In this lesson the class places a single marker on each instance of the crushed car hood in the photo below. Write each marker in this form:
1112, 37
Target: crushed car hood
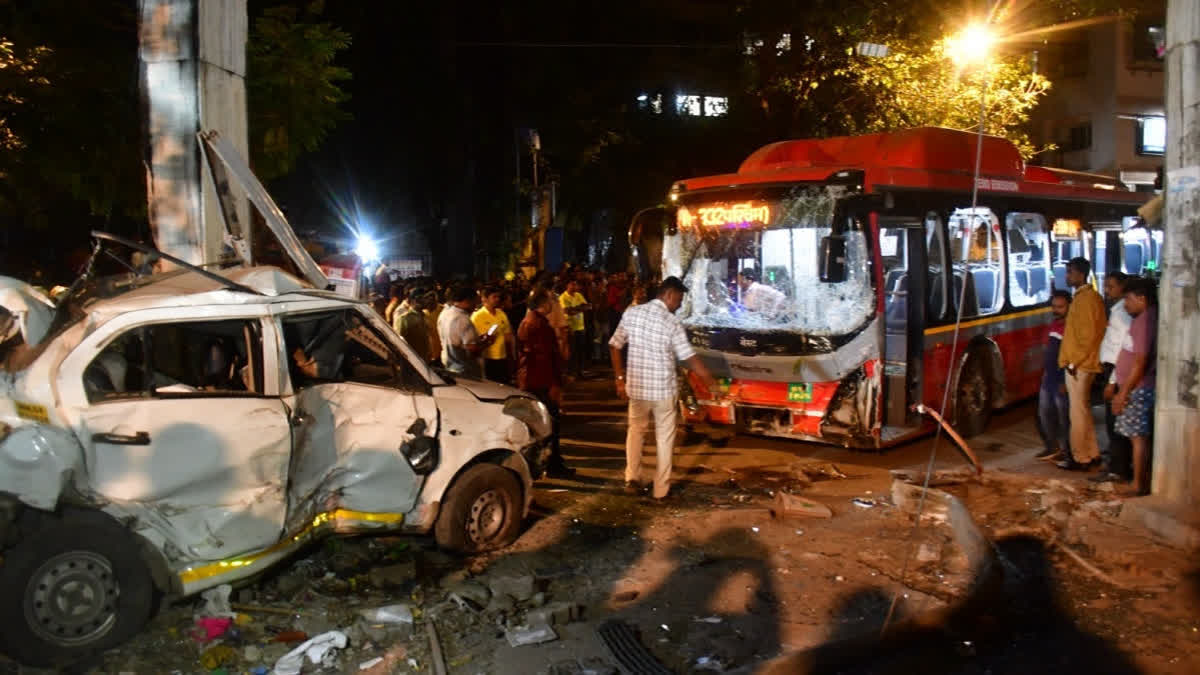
485, 390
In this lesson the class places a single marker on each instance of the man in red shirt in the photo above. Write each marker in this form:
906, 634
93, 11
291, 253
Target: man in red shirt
540, 369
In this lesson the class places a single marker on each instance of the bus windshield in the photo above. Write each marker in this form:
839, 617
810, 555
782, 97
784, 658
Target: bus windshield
757, 270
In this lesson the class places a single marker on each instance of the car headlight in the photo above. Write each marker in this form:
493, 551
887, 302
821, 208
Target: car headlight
530, 411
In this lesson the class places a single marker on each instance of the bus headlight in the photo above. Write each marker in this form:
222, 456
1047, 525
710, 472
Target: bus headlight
530, 411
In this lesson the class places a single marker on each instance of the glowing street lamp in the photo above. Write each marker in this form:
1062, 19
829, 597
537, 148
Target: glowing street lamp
366, 249
972, 45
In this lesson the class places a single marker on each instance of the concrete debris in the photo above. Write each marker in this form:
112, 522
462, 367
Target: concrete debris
369, 664
252, 654
216, 602
819, 471
928, 552
791, 506
530, 635
393, 575
555, 614
502, 604
471, 590
519, 586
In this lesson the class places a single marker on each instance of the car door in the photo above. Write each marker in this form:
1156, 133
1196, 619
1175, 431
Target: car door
178, 427
356, 396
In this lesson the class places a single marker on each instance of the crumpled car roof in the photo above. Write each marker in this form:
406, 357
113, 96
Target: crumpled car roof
33, 310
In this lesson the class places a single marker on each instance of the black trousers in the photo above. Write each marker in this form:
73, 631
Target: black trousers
543, 395
579, 351
497, 370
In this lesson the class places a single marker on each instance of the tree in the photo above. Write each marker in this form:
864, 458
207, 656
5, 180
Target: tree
924, 88
18, 74
293, 86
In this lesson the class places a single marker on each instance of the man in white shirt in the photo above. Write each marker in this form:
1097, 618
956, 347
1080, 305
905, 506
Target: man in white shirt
759, 297
656, 340
462, 346
1117, 456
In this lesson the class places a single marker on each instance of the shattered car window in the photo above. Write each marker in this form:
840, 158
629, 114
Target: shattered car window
187, 358
778, 240
342, 347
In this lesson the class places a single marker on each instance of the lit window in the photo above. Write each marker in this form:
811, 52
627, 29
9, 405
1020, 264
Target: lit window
1152, 136
687, 104
716, 106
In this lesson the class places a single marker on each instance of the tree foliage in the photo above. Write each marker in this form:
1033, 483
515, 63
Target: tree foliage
293, 85
19, 74
926, 89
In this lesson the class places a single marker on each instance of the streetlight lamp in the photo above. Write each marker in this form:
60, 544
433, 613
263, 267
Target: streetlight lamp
972, 45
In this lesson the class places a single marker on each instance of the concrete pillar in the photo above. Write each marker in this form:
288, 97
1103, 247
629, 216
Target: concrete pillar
194, 59
1176, 477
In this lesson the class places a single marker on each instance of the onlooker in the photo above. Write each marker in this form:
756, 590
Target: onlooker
616, 300
597, 296
1053, 411
491, 320
433, 312
1080, 355
540, 369
410, 324
574, 304
396, 296
1115, 457
656, 340
558, 319
1134, 398
461, 344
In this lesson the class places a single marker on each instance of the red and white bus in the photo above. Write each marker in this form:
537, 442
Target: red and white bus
863, 245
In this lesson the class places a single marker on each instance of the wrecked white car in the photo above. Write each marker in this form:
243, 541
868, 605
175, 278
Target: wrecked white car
170, 433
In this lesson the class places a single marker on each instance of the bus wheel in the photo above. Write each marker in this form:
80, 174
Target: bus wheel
973, 397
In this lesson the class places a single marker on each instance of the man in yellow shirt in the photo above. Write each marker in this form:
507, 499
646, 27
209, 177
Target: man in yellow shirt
490, 319
574, 304
1080, 356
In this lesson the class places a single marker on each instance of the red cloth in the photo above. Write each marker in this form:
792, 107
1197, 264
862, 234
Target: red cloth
539, 363
616, 297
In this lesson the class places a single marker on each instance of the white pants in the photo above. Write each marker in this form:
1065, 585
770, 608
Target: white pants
665, 414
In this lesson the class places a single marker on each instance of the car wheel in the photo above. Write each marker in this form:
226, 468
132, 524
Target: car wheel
74, 586
482, 512
973, 397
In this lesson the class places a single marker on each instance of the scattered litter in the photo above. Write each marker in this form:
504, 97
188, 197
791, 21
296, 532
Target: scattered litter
216, 656
626, 596
709, 619
864, 503
256, 609
557, 490
839, 578
290, 636
216, 602
210, 628
530, 635
259, 670
799, 532
318, 650
665, 627
755, 528
389, 614
792, 506
252, 654
367, 665
709, 663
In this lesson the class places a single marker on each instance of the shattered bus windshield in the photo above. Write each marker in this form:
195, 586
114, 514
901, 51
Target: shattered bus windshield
752, 264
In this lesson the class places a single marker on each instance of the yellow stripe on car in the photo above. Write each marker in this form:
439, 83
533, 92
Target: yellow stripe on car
333, 520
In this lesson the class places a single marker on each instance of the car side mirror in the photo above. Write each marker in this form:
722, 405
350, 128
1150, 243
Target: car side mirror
833, 259
421, 451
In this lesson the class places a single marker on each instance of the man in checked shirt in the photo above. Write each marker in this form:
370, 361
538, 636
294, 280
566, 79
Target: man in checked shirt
656, 341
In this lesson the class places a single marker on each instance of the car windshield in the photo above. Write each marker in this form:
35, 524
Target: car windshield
753, 266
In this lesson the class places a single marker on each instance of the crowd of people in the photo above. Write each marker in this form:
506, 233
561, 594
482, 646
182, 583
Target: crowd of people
537, 334
1110, 339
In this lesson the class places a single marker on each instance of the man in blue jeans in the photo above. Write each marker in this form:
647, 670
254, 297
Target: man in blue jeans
1053, 408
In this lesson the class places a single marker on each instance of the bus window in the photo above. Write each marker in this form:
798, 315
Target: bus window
893, 251
935, 246
1141, 250
1106, 249
1063, 250
977, 254
1028, 259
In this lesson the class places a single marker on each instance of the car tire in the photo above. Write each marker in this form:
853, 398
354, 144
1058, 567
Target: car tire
483, 510
973, 397
74, 585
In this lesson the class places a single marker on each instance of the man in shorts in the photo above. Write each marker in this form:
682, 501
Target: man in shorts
1133, 402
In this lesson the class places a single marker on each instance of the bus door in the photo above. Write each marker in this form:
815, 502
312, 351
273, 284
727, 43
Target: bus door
902, 253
